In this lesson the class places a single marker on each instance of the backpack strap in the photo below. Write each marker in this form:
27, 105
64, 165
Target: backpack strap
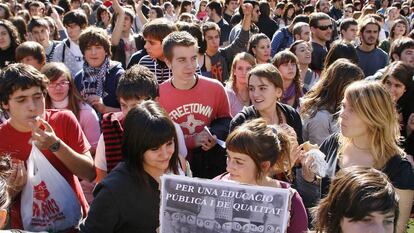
65, 43
50, 55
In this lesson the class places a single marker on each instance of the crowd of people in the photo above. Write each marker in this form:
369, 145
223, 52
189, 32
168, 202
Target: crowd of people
117, 93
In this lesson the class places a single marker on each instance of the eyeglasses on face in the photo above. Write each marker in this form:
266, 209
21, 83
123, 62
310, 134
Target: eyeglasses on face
325, 27
60, 84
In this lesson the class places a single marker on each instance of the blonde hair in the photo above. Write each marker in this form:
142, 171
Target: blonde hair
243, 56
373, 104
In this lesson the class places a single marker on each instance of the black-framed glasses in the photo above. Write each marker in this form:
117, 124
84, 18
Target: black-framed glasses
325, 27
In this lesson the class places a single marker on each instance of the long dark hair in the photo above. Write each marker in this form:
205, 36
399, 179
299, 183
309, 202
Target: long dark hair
285, 16
329, 90
147, 126
340, 49
13, 33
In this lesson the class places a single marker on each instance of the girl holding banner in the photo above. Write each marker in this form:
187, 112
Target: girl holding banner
253, 148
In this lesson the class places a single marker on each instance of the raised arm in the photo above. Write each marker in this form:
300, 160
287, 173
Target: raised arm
58, 22
119, 24
138, 11
242, 38
247, 19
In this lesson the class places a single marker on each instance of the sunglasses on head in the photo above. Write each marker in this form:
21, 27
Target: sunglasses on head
325, 27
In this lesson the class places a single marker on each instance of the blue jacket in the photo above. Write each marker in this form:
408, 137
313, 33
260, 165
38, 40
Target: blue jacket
111, 82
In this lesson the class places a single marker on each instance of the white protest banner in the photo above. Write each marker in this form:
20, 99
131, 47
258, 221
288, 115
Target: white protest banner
207, 206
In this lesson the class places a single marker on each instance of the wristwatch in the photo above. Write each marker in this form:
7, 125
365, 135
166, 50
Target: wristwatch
55, 146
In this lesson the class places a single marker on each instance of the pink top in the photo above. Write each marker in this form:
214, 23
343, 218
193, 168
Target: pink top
202, 15
89, 121
235, 104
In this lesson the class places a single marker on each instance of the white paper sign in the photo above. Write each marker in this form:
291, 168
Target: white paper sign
206, 206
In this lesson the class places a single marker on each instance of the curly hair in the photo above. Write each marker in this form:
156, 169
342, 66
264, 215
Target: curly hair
13, 33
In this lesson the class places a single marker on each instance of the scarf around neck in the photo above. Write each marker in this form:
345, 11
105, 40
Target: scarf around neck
98, 75
289, 93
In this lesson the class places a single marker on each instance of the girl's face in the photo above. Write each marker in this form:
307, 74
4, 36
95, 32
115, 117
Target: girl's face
263, 93
158, 159
406, 11
288, 70
241, 167
399, 30
304, 53
203, 6
373, 223
105, 17
152, 14
395, 87
290, 12
262, 51
240, 71
169, 10
58, 90
393, 14
188, 8
5, 40
348, 12
351, 123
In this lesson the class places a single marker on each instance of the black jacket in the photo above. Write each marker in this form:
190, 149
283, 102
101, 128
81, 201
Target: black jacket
292, 118
211, 163
123, 204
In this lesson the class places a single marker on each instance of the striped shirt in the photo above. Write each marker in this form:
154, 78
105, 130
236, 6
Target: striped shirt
159, 68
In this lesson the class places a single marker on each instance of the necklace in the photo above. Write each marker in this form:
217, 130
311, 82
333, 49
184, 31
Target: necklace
359, 148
